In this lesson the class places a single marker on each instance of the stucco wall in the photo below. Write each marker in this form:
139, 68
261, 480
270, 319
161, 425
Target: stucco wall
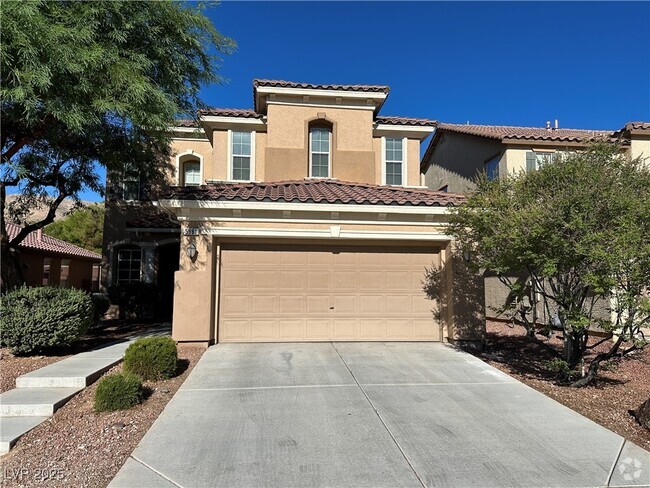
457, 159
640, 147
200, 147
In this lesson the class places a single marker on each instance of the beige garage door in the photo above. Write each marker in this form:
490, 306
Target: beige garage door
286, 294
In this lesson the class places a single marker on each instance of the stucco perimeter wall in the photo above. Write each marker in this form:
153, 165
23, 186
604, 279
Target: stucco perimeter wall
457, 159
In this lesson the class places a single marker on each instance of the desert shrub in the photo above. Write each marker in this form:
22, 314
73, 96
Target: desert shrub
152, 358
34, 320
118, 392
560, 369
101, 305
134, 299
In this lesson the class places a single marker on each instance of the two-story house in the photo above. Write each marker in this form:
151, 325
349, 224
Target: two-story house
301, 219
458, 152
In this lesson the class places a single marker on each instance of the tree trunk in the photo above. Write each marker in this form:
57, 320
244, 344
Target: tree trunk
642, 414
11, 274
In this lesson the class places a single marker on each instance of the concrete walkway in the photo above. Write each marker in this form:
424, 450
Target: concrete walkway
42, 392
370, 414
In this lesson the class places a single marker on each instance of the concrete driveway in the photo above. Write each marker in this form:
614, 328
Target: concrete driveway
370, 414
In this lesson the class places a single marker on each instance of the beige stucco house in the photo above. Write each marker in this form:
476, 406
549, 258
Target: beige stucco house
458, 152
301, 219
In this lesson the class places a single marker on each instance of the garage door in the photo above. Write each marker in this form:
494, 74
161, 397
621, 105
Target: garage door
286, 294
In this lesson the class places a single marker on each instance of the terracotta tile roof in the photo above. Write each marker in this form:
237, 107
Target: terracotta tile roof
505, 132
637, 126
316, 191
231, 112
158, 221
186, 123
405, 121
293, 84
48, 244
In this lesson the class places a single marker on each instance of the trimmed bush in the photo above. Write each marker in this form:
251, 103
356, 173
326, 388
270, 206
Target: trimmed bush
118, 392
152, 358
101, 305
34, 320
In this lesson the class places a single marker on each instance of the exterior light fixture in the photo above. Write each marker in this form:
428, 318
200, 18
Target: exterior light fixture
467, 256
191, 251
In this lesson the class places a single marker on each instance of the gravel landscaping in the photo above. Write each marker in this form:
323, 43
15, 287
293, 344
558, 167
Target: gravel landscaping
78, 447
621, 386
11, 367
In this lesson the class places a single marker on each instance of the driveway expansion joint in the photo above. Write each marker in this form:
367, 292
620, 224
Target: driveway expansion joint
379, 417
154, 470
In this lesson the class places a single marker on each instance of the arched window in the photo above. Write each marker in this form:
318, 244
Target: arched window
192, 172
320, 149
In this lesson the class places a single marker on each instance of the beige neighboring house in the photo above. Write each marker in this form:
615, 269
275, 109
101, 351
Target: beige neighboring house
301, 219
458, 152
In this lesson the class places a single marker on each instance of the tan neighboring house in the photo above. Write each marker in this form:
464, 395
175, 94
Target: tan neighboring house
458, 152
301, 219
48, 261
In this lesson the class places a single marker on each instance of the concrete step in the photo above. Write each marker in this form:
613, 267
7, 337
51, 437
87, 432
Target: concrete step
12, 428
75, 372
36, 402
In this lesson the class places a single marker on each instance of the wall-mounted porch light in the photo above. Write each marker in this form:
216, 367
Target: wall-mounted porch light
191, 251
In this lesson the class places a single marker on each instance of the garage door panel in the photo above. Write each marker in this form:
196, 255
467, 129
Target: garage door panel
294, 294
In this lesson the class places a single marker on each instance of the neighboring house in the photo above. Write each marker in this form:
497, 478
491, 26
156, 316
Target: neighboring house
302, 219
457, 153
48, 261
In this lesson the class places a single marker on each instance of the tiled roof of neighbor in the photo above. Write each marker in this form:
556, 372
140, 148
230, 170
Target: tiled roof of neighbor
49, 244
158, 221
502, 132
231, 112
391, 120
293, 84
316, 191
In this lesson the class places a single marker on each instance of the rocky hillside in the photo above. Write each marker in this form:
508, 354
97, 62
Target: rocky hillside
39, 212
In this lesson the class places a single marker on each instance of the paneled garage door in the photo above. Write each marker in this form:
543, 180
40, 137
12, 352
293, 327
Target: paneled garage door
289, 294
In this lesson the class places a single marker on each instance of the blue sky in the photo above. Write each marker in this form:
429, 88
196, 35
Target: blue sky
584, 63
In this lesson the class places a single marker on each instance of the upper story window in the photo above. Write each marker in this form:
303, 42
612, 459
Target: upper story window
492, 168
130, 183
535, 159
394, 160
320, 148
129, 265
192, 173
242, 155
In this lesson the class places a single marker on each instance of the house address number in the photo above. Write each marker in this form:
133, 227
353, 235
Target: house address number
191, 231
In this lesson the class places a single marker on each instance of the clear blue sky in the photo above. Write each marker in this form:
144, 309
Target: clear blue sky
584, 63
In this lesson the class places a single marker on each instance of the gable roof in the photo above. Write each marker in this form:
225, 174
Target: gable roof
315, 191
50, 245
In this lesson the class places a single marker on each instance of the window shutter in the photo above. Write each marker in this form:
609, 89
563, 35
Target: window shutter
531, 161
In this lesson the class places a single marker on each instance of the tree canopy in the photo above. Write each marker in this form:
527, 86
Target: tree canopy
83, 227
579, 229
87, 83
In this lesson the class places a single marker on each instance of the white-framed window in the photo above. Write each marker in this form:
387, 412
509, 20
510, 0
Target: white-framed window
394, 160
192, 173
128, 265
320, 148
242, 162
64, 279
130, 183
492, 168
535, 159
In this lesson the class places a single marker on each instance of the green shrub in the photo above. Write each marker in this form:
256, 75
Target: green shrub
152, 358
118, 392
560, 369
101, 305
134, 299
34, 320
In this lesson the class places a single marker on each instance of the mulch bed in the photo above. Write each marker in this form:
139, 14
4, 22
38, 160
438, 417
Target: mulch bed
78, 447
622, 385
11, 366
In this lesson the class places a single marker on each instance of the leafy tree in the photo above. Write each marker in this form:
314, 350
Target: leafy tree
88, 83
579, 229
83, 227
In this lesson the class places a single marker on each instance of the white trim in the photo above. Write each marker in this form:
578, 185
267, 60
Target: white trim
324, 234
323, 105
307, 207
233, 120
383, 160
421, 223
252, 157
319, 92
405, 152
188, 130
202, 139
403, 128
329, 154
189, 152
